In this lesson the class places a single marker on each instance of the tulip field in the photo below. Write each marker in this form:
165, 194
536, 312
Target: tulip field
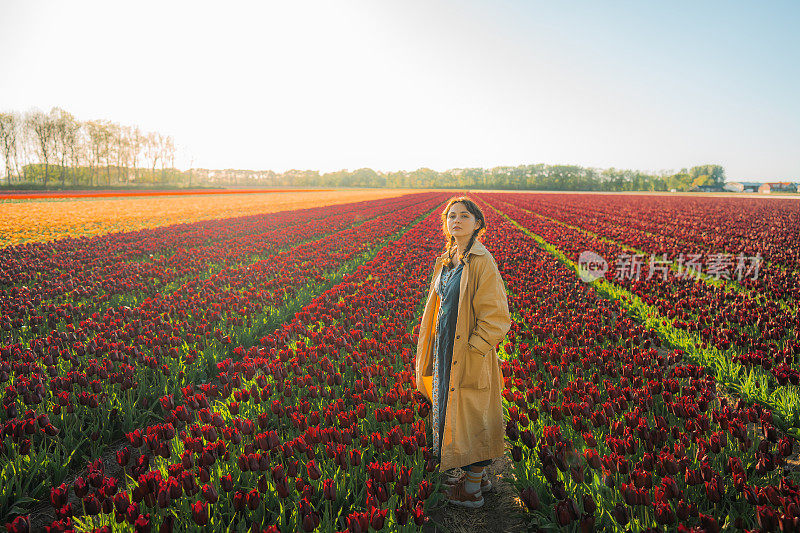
256, 373
28, 217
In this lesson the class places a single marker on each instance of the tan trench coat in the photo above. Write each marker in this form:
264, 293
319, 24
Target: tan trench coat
474, 428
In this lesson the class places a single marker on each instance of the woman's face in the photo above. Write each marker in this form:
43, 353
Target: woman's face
460, 222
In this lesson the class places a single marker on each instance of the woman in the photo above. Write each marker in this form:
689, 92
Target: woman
466, 316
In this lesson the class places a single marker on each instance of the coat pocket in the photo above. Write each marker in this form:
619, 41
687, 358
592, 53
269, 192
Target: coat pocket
476, 369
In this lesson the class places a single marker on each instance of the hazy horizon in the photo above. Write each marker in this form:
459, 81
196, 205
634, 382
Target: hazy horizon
400, 86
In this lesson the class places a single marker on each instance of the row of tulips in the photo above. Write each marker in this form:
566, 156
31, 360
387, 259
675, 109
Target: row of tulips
316, 427
735, 330
701, 227
69, 394
47, 286
612, 432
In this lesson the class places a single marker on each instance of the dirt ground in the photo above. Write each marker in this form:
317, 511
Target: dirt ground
501, 511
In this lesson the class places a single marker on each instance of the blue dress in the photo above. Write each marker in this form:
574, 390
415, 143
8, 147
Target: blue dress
448, 291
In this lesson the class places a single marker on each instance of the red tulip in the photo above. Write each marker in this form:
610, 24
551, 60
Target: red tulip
589, 505
123, 456
377, 518
530, 498
355, 457
253, 499
592, 458
620, 514
80, 487
664, 514
21, 524
709, 523
58, 496
516, 453
587, 524
282, 488
308, 523
329, 489
132, 513
140, 525
209, 493
566, 511
239, 500
418, 514
200, 513
313, 470
226, 482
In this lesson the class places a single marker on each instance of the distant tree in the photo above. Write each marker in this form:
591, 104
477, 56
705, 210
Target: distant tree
708, 175
701, 180
423, 178
152, 151
167, 155
99, 147
122, 151
93, 147
43, 132
9, 134
137, 143
190, 171
365, 177
79, 151
682, 181
111, 147
65, 135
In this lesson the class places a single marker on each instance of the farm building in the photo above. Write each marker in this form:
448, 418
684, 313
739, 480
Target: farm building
706, 188
778, 186
742, 186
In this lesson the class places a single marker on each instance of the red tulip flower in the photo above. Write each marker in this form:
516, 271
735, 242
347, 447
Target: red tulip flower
329, 489
200, 513
313, 470
210, 493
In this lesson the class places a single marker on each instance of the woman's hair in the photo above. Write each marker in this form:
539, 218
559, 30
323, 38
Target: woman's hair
450, 242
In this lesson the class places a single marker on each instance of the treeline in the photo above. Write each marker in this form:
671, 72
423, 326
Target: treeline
46, 150
56, 149
524, 177
529, 177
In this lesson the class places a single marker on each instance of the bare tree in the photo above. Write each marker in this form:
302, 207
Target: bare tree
97, 131
111, 134
65, 128
79, 150
167, 155
9, 130
122, 150
26, 150
191, 170
31, 144
137, 143
152, 151
42, 128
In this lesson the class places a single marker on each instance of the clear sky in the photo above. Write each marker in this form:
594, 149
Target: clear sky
398, 85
